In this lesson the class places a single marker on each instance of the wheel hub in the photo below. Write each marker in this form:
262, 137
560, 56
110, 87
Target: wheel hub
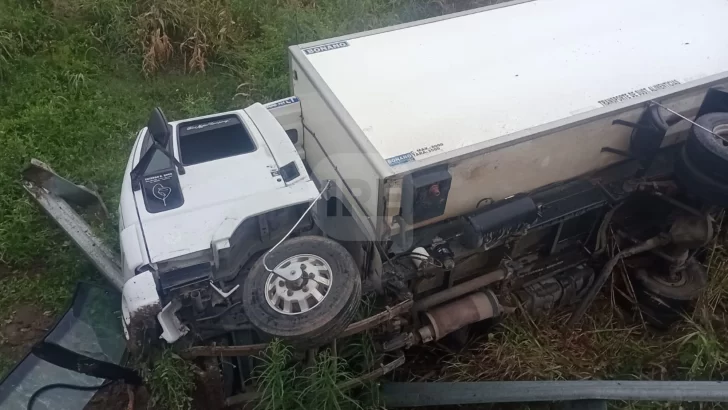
298, 284
721, 133
674, 279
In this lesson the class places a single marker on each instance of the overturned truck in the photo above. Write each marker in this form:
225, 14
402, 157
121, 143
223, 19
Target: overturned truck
515, 156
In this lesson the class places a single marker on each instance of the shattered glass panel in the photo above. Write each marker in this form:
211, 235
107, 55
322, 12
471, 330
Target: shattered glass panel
34, 373
92, 327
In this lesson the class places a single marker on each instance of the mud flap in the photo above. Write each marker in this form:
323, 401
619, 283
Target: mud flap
84, 348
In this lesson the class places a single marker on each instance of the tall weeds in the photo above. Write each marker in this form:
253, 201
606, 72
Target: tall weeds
171, 381
285, 384
190, 30
277, 379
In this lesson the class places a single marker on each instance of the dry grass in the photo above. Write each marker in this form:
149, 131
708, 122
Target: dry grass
543, 349
241, 35
158, 50
190, 30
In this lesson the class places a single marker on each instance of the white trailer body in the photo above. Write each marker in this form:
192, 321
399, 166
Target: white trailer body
507, 98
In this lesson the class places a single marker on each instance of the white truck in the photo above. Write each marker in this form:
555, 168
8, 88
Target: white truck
473, 163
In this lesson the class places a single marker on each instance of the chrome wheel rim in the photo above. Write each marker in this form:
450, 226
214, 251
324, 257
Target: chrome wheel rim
299, 284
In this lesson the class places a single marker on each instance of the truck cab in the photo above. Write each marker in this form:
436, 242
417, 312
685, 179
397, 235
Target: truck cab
192, 191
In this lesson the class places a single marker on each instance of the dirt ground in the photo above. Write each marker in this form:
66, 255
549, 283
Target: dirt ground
116, 397
23, 327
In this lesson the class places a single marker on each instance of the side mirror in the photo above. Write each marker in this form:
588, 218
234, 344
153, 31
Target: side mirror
161, 131
159, 127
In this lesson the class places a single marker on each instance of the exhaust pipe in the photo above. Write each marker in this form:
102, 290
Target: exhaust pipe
459, 290
450, 317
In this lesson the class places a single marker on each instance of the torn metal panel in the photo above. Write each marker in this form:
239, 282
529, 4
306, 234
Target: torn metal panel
41, 175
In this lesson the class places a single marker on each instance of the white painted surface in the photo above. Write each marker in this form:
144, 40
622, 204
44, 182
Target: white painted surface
133, 253
139, 296
562, 155
474, 78
172, 327
287, 111
278, 142
333, 155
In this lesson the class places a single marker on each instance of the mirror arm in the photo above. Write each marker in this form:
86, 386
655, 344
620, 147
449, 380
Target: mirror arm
140, 167
144, 161
180, 167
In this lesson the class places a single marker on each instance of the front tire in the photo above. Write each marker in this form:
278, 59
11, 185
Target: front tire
318, 305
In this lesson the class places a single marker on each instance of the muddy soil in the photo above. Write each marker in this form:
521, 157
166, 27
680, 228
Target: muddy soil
21, 329
116, 397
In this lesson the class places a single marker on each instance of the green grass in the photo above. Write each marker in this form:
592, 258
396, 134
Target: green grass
171, 381
6, 364
286, 384
276, 377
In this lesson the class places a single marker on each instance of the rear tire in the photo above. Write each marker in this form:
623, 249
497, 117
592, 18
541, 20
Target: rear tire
312, 325
663, 303
691, 282
706, 151
695, 182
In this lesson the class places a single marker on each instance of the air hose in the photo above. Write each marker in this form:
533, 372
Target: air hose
37, 393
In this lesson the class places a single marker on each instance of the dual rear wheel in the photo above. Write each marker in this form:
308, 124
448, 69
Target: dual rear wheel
663, 298
702, 164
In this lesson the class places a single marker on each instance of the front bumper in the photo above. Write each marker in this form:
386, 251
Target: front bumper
142, 309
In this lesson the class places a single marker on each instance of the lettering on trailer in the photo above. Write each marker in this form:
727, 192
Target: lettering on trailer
401, 159
429, 149
207, 124
325, 47
638, 93
281, 103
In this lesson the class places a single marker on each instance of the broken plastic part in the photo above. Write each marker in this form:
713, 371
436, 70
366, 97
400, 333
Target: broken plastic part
224, 295
172, 328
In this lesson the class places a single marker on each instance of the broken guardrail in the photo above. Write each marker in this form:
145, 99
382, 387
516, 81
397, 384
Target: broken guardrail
584, 391
56, 195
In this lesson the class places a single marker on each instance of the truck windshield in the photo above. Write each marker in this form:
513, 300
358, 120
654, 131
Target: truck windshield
213, 138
